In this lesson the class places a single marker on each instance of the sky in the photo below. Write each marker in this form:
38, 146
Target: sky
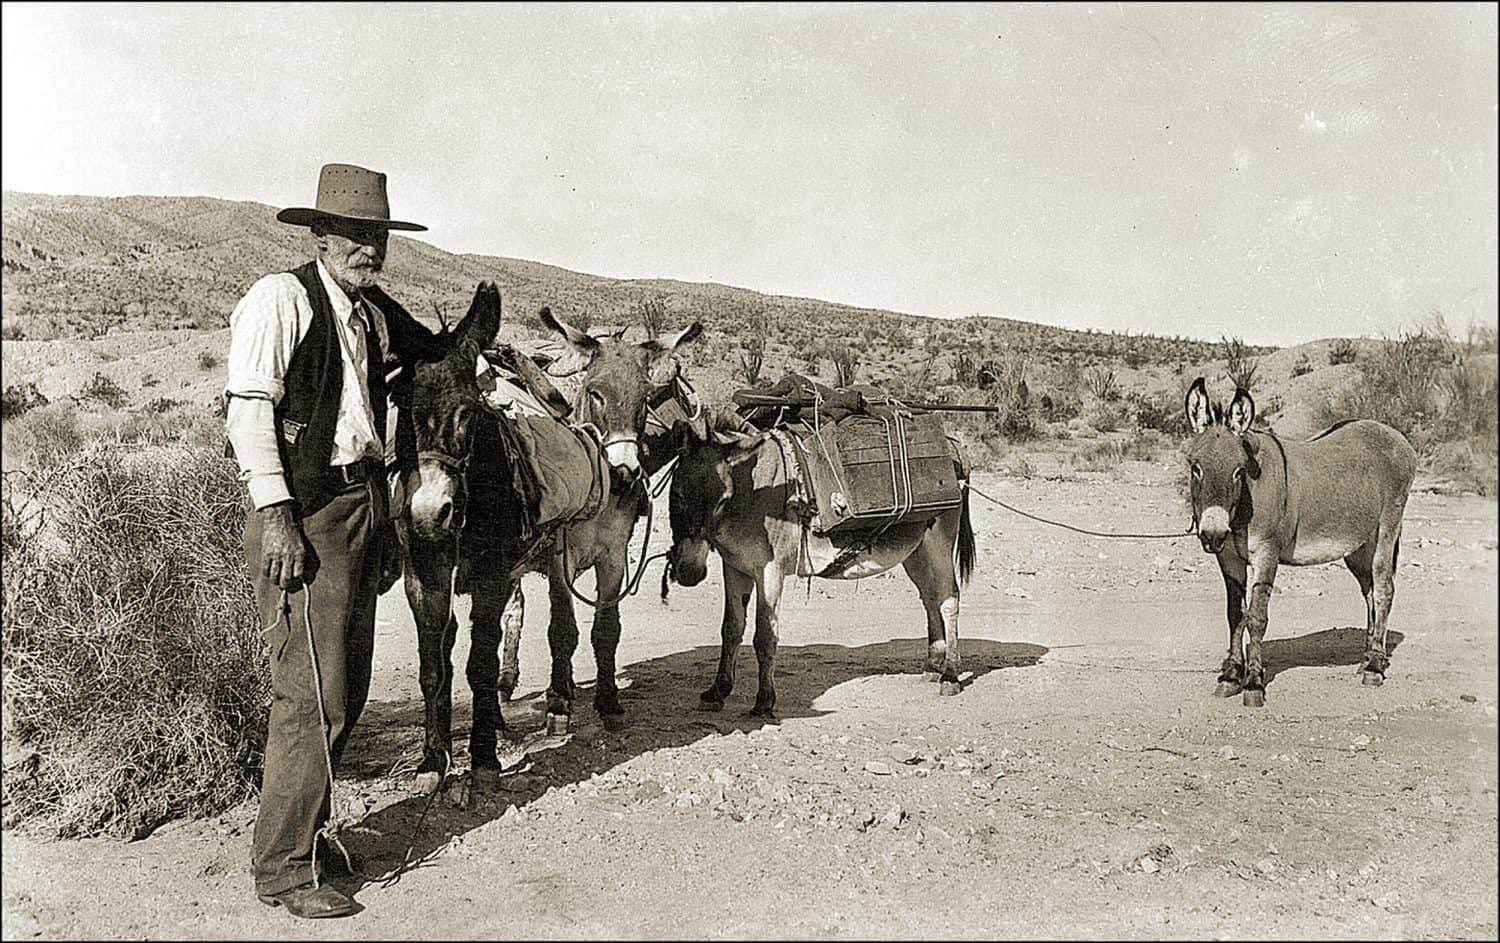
1274, 172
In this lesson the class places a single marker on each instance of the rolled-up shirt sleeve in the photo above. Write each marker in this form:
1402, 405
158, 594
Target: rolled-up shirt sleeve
263, 331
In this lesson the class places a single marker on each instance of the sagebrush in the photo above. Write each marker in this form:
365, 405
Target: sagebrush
135, 683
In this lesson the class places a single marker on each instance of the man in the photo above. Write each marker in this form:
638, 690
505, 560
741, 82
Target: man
306, 419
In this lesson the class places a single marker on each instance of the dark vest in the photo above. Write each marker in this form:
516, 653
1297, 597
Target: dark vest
309, 407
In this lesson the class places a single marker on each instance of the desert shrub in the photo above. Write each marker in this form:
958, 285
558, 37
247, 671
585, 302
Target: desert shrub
965, 369
652, 315
102, 389
17, 400
845, 362
1428, 386
1239, 366
1104, 417
1302, 365
135, 684
1161, 412
207, 360
1144, 446
1101, 384
1016, 418
12, 332
1342, 350
45, 436
1058, 406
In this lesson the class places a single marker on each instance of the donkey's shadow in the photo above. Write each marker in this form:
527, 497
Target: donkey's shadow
1328, 648
662, 698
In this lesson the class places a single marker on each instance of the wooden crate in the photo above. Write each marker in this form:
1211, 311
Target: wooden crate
863, 478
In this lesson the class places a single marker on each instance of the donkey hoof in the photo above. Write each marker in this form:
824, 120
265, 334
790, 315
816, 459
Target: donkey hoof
950, 688
1254, 697
1227, 689
932, 676
1371, 679
557, 724
425, 784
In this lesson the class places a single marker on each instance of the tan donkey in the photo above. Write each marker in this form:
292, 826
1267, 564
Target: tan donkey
1259, 502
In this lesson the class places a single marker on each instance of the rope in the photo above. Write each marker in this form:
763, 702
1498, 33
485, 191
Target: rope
632, 584
1080, 530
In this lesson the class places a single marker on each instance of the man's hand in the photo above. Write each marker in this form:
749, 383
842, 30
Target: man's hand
281, 549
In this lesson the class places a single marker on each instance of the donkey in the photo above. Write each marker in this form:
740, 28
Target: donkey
1340, 494
730, 493
462, 513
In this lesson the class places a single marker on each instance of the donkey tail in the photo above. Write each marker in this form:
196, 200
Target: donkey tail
965, 540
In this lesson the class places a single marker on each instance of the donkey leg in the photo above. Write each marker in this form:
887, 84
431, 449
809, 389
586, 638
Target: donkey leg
737, 589
510, 625
767, 604
562, 639
1255, 622
428, 584
605, 636
1377, 657
483, 670
937, 644
1232, 671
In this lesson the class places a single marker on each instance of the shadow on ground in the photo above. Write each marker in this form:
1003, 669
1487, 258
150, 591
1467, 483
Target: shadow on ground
1326, 649
661, 702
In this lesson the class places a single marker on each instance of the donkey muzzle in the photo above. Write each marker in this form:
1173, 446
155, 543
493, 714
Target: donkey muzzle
1213, 529
690, 561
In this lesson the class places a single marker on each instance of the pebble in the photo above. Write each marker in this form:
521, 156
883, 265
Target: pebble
1226, 752
878, 768
1391, 901
1148, 864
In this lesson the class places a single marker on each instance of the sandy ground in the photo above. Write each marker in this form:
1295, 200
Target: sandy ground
1085, 783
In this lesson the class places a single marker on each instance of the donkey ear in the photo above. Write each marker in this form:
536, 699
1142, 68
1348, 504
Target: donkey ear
482, 323
661, 366
1200, 411
579, 340
1241, 412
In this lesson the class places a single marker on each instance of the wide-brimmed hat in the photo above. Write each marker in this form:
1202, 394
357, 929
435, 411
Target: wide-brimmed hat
347, 192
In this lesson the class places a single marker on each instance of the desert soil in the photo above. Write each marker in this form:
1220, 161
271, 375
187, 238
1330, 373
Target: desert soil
1085, 783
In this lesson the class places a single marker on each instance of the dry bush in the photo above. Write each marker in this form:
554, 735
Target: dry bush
1239, 366
1301, 366
103, 390
1428, 386
17, 400
652, 315
753, 356
965, 369
1101, 384
1161, 412
135, 684
1017, 415
1144, 446
1342, 350
845, 362
207, 360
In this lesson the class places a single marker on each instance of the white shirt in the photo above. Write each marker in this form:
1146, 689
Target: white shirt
264, 329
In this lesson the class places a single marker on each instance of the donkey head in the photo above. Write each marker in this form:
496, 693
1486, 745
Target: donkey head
1221, 457
445, 402
702, 488
619, 378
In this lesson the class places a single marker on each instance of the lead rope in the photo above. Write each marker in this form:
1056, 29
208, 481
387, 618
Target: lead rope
1092, 533
631, 584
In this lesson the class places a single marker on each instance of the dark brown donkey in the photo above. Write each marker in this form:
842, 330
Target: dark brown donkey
463, 513
1260, 502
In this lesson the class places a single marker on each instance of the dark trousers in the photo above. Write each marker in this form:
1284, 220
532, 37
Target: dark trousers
344, 539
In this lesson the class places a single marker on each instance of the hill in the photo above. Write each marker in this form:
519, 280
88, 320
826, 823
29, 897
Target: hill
86, 267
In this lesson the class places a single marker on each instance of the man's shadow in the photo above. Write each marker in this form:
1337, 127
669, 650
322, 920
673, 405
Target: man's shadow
663, 706
1327, 648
